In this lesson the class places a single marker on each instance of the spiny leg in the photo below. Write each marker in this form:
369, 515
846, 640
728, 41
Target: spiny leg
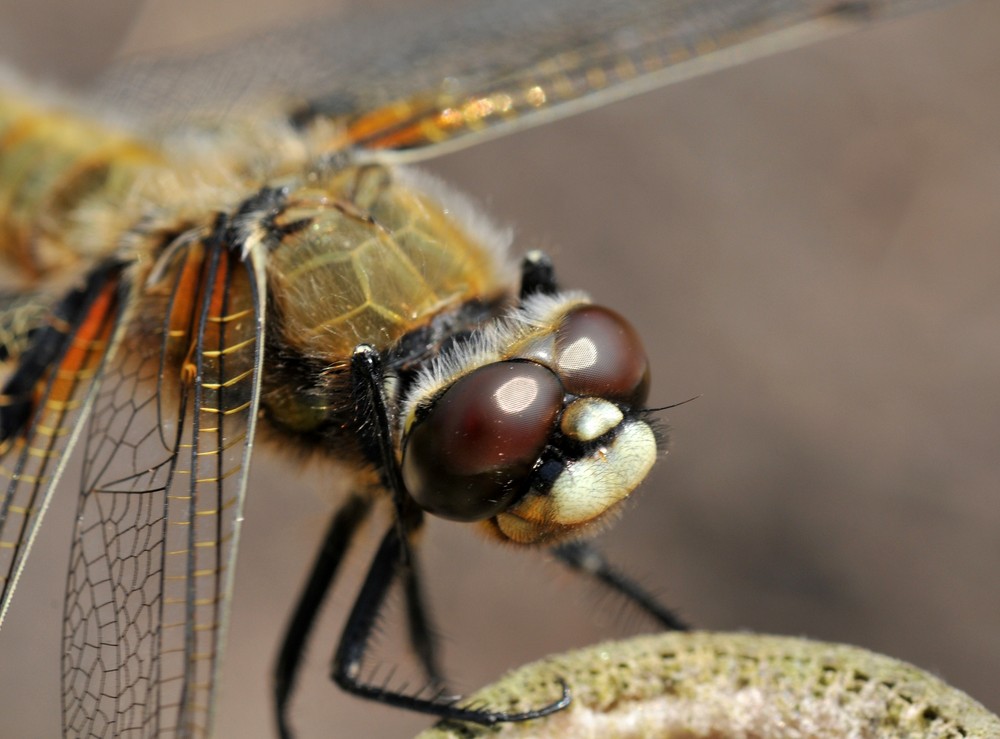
347, 662
367, 378
336, 542
376, 436
585, 558
343, 526
420, 628
395, 558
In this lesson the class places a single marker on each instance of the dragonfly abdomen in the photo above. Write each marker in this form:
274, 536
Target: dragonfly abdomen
53, 165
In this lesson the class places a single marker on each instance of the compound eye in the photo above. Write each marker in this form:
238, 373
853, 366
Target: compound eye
599, 354
470, 456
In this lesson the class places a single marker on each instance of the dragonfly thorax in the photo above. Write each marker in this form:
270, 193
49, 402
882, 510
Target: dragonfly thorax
340, 230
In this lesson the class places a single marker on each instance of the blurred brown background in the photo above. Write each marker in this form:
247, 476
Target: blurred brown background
811, 243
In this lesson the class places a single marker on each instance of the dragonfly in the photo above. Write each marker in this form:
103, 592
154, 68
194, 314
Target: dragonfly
74, 379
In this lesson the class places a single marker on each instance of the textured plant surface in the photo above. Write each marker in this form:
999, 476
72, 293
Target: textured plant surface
731, 686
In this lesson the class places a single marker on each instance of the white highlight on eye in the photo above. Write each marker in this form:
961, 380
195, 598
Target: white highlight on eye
516, 395
579, 355
538, 315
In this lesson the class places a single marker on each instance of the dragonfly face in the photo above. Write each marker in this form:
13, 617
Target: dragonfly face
661, 364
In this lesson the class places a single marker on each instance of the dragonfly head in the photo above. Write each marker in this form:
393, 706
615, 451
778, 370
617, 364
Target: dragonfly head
535, 427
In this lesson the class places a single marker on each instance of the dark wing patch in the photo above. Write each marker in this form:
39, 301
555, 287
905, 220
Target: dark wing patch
165, 470
41, 406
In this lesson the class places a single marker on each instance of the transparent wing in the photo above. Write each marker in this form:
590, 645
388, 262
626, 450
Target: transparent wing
165, 471
59, 352
617, 52
425, 81
69, 42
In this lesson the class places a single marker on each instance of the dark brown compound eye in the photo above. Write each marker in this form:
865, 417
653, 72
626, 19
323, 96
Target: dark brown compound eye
599, 354
469, 457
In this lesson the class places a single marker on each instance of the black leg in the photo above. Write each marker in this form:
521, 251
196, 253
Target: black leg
347, 662
368, 380
585, 558
538, 275
395, 558
420, 628
338, 538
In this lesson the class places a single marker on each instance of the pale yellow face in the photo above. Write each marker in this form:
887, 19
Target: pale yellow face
586, 494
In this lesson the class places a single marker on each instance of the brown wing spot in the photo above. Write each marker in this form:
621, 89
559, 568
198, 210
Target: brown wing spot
86, 348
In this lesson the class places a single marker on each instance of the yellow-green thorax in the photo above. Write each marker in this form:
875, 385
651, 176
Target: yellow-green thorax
369, 257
